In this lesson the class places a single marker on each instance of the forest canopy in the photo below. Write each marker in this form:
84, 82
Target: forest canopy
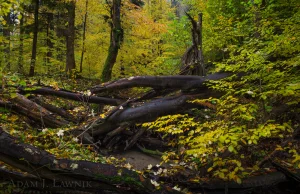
209, 87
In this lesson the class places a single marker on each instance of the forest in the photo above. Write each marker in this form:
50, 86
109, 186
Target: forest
150, 96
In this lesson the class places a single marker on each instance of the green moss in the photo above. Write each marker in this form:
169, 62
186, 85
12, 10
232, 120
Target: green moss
120, 179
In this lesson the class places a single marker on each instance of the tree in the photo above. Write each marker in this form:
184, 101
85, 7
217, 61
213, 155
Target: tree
35, 37
83, 35
193, 60
7, 40
49, 36
116, 39
70, 37
21, 48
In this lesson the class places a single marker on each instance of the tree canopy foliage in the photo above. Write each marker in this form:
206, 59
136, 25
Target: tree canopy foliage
83, 79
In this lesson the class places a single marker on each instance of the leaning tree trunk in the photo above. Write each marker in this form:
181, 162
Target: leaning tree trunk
83, 36
35, 36
70, 37
193, 60
116, 38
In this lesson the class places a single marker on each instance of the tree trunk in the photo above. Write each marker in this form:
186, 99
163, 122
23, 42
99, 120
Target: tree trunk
35, 112
6, 34
70, 38
47, 91
60, 34
35, 36
116, 38
83, 36
46, 168
161, 82
21, 48
50, 28
193, 60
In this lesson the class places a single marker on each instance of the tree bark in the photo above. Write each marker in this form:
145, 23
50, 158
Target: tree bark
72, 96
193, 60
83, 36
59, 111
51, 174
116, 38
70, 38
43, 117
35, 37
6, 34
50, 29
21, 47
160, 82
45, 166
134, 113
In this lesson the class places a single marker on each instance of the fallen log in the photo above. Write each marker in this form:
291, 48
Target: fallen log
52, 174
132, 141
184, 82
71, 95
145, 112
42, 164
59, 111
45, 118
101, 177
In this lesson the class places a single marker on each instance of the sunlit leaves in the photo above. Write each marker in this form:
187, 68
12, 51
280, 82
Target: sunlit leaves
296, 158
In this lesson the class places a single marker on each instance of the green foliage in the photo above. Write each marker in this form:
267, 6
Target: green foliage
200, 139
177, 40
260, 42
296, 160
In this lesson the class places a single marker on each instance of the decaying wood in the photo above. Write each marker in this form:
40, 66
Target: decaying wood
160, 82
45, 166
193, 60
146, 112
285, 171
153, 142
115, 132
22, 105
71, 95
59, 111
127, 112
169, 95
134, 139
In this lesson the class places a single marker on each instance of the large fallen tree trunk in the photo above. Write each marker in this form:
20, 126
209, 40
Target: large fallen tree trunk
46, 167
161, 82
135, 110
146, 112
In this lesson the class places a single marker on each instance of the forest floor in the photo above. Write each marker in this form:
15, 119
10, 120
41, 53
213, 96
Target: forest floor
138, 159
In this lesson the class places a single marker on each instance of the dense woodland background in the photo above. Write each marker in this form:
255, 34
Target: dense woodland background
211, 86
